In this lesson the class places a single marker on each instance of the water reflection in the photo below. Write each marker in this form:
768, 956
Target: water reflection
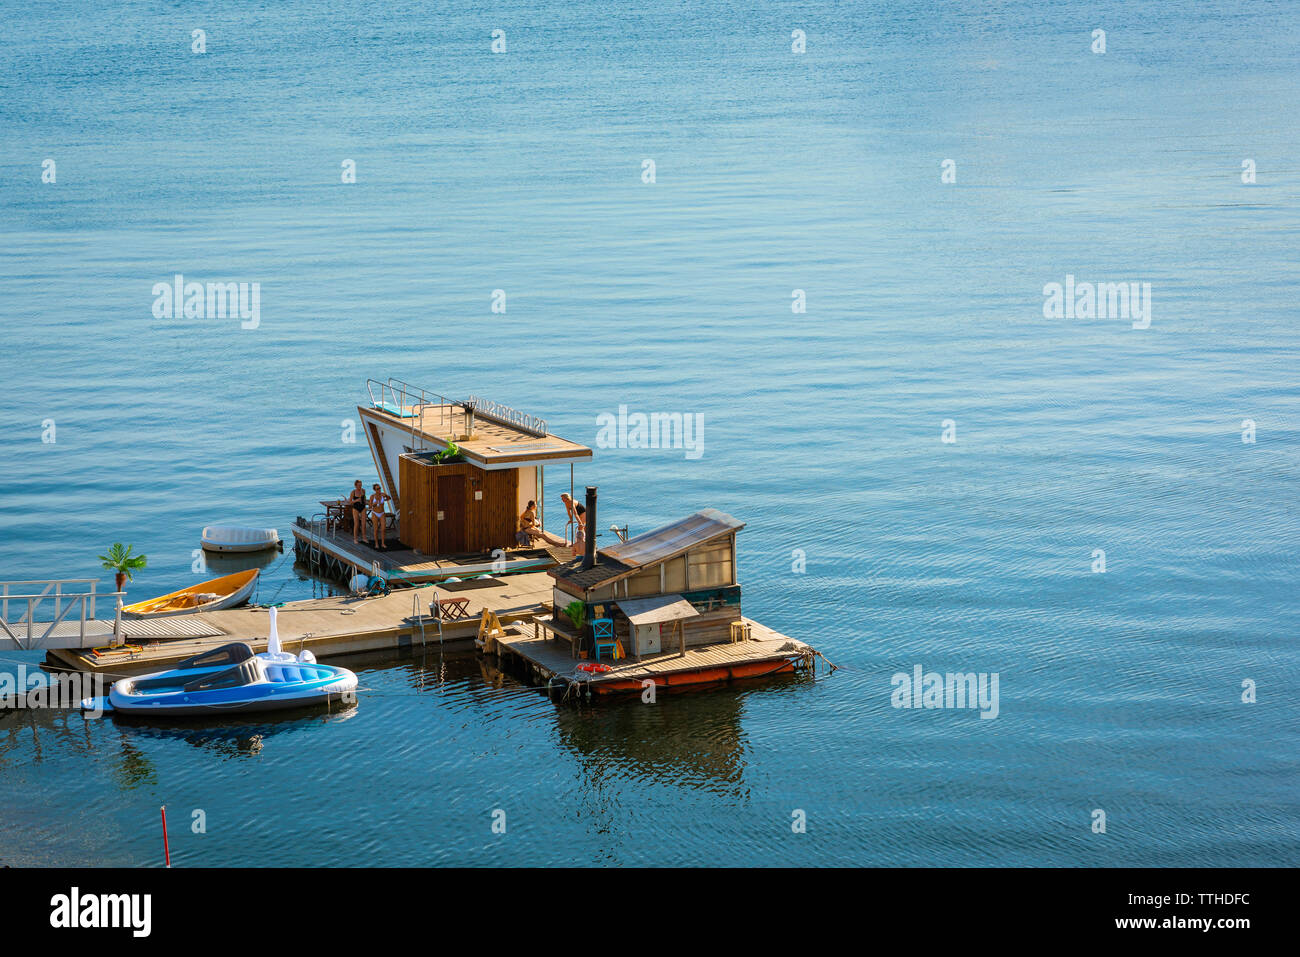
228, 563
688, 738
133, 767
230, 736
30, 731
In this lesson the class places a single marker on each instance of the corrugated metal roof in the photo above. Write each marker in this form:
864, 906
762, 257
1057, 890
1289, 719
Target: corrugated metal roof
670, 540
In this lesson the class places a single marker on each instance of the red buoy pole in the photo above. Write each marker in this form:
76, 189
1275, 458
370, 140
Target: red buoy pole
167, 851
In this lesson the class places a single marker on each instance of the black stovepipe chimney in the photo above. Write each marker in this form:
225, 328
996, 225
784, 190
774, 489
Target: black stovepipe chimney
589, 556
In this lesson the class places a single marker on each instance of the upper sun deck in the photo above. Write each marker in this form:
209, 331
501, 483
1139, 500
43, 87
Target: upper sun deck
488, 435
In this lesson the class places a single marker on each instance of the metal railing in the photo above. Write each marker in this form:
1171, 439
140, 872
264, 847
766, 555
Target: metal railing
33, 595
318, 524
403, 397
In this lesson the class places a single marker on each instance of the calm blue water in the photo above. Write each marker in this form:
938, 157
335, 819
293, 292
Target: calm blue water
775, 171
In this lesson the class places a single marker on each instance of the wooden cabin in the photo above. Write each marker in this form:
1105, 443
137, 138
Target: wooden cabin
470, 502
672, 587
454, 508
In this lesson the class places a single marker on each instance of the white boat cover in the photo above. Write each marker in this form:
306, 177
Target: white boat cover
236, 535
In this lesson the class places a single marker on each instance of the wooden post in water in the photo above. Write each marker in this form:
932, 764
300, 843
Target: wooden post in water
167, 851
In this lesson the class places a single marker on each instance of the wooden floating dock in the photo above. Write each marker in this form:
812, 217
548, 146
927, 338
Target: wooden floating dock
333, 554
548, 661
467, 485
343, 625
338, 625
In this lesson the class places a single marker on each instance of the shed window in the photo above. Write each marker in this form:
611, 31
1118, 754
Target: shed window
675, 575
711, 567
644, 582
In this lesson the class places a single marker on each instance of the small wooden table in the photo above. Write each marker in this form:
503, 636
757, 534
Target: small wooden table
334, 513
452, 609
562, 632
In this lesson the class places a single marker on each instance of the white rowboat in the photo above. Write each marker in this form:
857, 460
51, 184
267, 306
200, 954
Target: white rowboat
239, 538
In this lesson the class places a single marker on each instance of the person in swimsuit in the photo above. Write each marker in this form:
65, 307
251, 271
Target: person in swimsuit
569, 505
580, 524
377, 517
530, 531
357, 502
528, 523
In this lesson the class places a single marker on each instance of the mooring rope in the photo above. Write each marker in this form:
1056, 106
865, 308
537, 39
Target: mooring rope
283, 558
813, 652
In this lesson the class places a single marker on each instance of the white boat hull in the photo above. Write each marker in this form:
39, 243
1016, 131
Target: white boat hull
238, 538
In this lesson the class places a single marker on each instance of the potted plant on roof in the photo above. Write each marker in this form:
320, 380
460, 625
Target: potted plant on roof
123, 563
449, 455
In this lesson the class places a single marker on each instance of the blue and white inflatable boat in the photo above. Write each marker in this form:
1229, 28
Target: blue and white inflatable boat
231, 679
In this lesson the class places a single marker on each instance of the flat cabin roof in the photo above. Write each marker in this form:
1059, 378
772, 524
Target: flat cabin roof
494, 444
651, 548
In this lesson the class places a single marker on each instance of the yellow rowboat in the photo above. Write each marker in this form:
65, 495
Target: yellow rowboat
228, 591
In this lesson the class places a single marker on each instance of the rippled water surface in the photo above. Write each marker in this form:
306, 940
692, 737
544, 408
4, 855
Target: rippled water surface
774, 172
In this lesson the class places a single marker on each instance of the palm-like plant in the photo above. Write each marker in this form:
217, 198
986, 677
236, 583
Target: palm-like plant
577, 613
122, 562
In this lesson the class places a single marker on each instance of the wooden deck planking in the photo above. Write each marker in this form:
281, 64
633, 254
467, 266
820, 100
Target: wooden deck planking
554, 657
405, 563
341, 625
493, 442
331, 626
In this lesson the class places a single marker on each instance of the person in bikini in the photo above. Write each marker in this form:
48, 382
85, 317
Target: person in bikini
569, 505
357, 505
530, 531
528, 523
377, 517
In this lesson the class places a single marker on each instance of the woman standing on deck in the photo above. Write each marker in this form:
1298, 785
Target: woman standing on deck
577, 518
377, 517
357, 503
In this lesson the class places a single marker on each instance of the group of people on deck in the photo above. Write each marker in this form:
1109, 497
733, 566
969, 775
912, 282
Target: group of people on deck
361, 507
530, 530
372, 508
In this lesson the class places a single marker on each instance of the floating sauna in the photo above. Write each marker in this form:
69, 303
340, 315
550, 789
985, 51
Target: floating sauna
458, 475
460, 472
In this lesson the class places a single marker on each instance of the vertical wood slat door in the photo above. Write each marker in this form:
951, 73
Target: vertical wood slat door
493, 517
408, 514
417, 509
450, 517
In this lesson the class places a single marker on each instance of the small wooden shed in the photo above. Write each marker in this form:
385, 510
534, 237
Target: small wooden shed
673, 586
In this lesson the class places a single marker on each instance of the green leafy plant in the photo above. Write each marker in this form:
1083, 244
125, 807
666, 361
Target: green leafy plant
122, 562
577, 612
449, 454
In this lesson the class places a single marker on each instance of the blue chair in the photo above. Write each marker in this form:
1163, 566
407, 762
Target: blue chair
602, 637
